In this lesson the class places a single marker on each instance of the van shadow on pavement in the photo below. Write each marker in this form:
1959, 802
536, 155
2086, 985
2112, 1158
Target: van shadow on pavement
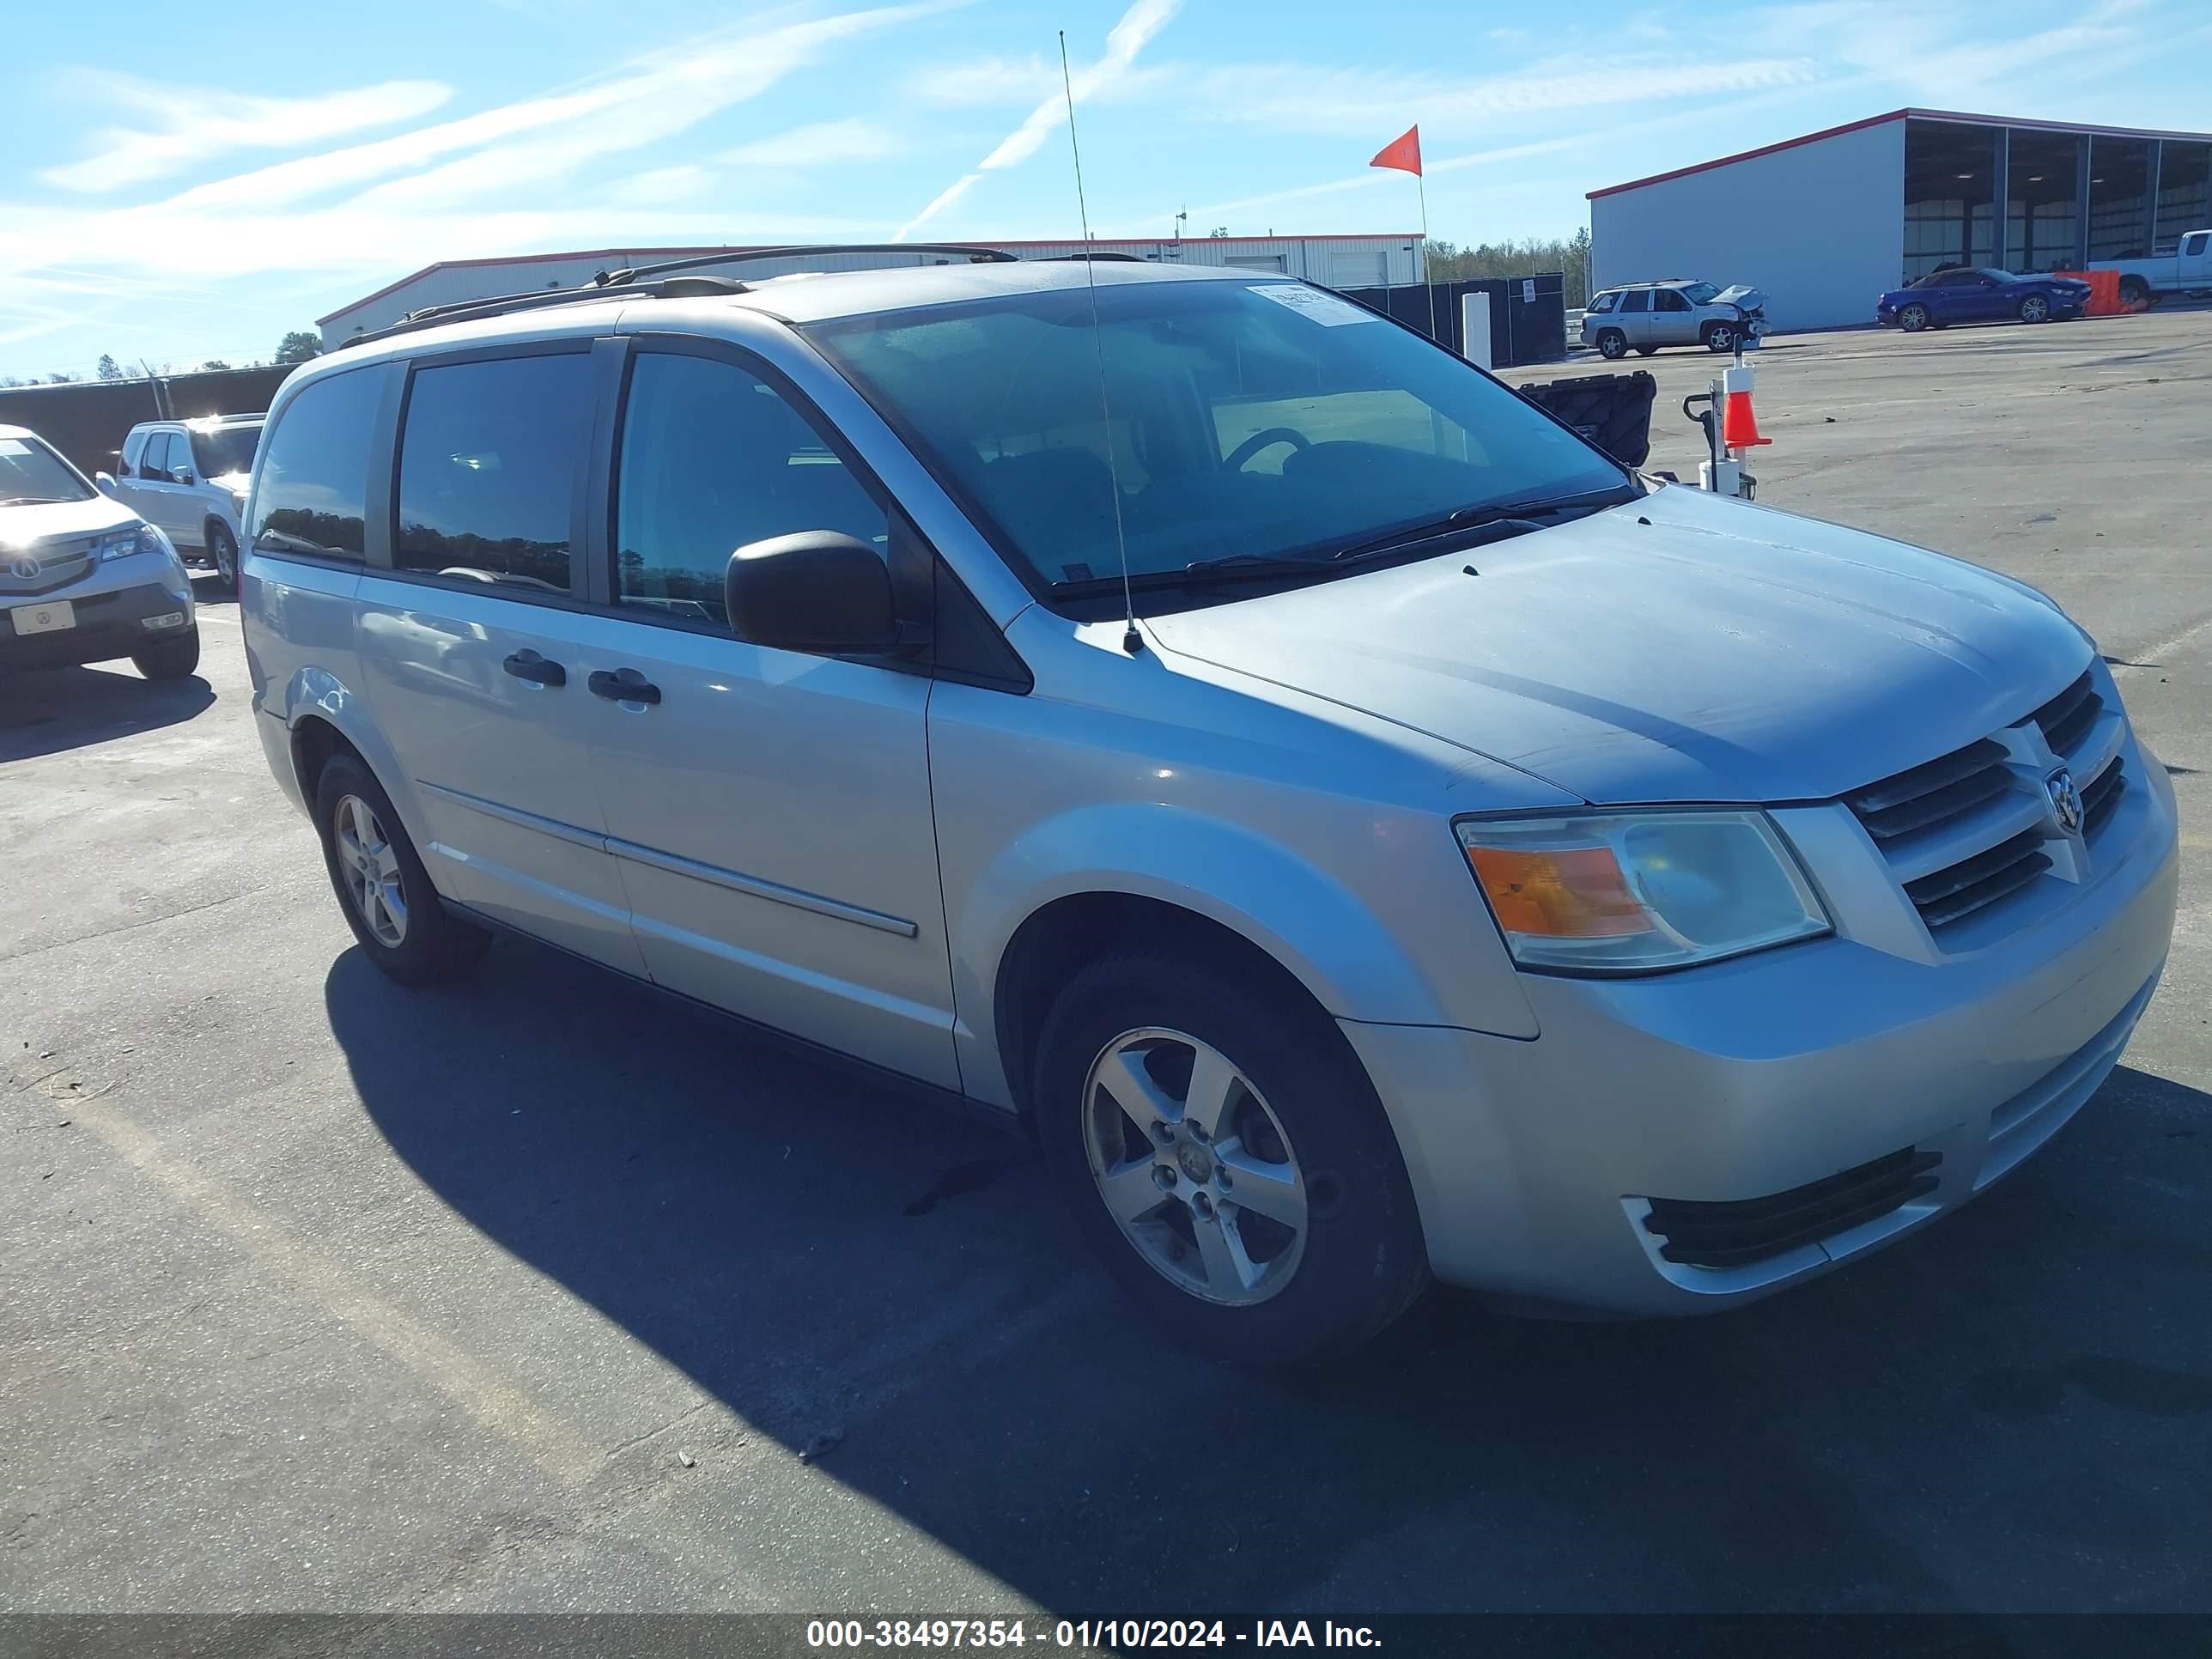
2007, 1412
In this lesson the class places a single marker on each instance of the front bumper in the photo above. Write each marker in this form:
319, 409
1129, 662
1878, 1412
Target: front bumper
109, 623
1534, 1163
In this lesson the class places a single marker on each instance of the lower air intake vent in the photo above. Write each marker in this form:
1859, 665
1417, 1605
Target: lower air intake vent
1738, 1233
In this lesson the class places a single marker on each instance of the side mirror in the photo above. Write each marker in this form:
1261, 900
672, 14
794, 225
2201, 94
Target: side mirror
182, 475
816, 591
104, 483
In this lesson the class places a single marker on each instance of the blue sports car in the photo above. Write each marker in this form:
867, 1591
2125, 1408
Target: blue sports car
1979, 293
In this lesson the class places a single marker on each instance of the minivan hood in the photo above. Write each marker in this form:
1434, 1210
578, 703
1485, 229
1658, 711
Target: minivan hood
44, 521
1683, 648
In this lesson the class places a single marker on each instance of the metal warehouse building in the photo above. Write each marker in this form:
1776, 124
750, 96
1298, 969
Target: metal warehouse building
1825, 223
1336, 261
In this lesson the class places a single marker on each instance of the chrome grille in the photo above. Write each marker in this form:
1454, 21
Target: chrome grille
2067, 718
58, 565
1975, 828
2101, 795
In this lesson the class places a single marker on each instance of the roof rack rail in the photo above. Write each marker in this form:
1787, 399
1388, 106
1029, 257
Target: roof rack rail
657, 281
628, 274
1097, 254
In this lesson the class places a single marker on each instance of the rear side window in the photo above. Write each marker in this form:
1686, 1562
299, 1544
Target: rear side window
1637, 300
713, 458
313, 493
490, 458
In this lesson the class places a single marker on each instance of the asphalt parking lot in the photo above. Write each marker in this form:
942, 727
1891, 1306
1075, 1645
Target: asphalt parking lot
538, 1293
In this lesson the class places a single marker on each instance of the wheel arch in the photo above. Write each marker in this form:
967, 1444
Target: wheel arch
323, 719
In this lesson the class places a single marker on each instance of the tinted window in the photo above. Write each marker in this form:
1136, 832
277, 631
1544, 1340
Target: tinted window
712, 458
489, 461
154, 463
1668, 300
2193, 245
224, 450
1263, 418
1637, 300
312, 490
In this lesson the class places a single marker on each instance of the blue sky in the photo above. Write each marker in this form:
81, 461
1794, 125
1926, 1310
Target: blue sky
187, 184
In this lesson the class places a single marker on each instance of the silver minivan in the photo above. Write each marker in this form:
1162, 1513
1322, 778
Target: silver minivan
1362, 832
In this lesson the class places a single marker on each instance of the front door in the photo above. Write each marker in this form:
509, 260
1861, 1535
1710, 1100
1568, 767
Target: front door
1672, 321
473, 646
770, 810
2195, 260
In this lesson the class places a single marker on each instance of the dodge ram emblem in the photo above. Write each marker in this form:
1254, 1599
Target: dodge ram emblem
2065, 802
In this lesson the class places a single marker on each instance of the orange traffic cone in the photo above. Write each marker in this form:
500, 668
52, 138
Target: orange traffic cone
1739, 427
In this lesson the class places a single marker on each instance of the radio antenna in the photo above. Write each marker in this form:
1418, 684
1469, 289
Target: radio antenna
1132, 642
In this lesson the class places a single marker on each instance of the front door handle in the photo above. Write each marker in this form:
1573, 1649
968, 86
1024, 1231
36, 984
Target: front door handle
623, 686
529, 665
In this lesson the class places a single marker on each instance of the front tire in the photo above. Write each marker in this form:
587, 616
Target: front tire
222, 549
1612, 344
1720, 336
1228, 1160
2035, 309
381, 885
1913, 319
172, 659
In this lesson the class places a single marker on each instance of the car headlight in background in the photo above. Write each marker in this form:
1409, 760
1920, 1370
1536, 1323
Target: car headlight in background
140, 539
1632, 892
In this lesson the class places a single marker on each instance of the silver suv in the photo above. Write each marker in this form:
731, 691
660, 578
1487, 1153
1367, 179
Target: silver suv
83, 579
1360, 830
189, 478
1641, 317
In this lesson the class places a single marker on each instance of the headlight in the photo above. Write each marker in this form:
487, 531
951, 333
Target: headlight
141, 538
1632, 892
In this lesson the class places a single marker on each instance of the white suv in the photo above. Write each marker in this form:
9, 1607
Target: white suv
1641, 317
189, 478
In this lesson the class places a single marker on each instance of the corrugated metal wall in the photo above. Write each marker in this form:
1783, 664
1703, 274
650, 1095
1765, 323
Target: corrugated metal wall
1335, 262
1819, 227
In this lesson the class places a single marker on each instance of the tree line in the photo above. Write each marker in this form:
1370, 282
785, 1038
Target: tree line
1449, 262
297, 347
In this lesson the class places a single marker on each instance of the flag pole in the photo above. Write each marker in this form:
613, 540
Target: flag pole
1427, 282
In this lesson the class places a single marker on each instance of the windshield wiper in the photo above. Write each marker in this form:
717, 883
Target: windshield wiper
1518, 516
1252, 564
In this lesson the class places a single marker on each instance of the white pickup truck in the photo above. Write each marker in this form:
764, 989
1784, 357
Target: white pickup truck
2187, 270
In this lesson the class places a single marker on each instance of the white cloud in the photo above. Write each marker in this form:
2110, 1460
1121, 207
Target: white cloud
1127, 38
1312, 98
1941, 54
822, 144
984, 80
185, 125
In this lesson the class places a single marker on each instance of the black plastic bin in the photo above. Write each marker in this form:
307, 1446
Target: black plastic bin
1613, 411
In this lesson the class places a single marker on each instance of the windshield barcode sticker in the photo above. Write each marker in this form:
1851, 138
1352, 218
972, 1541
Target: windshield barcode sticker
1326, 309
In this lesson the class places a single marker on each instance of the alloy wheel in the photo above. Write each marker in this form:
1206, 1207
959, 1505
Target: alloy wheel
1194, 1167
370, 868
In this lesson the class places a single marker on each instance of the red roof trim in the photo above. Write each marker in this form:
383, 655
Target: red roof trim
629, 254
1751, 155
2093, 130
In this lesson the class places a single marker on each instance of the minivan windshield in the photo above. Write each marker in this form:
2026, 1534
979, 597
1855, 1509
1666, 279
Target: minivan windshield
1256, 424
31, 472
218, 452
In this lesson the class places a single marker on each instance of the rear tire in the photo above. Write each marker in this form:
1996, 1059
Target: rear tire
1612, 344
222, 549
172, 659
1646, 351
1912, 318
2134, 292
1289, 1104
381, 885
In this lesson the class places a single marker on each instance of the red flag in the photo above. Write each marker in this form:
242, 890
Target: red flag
1403, 153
